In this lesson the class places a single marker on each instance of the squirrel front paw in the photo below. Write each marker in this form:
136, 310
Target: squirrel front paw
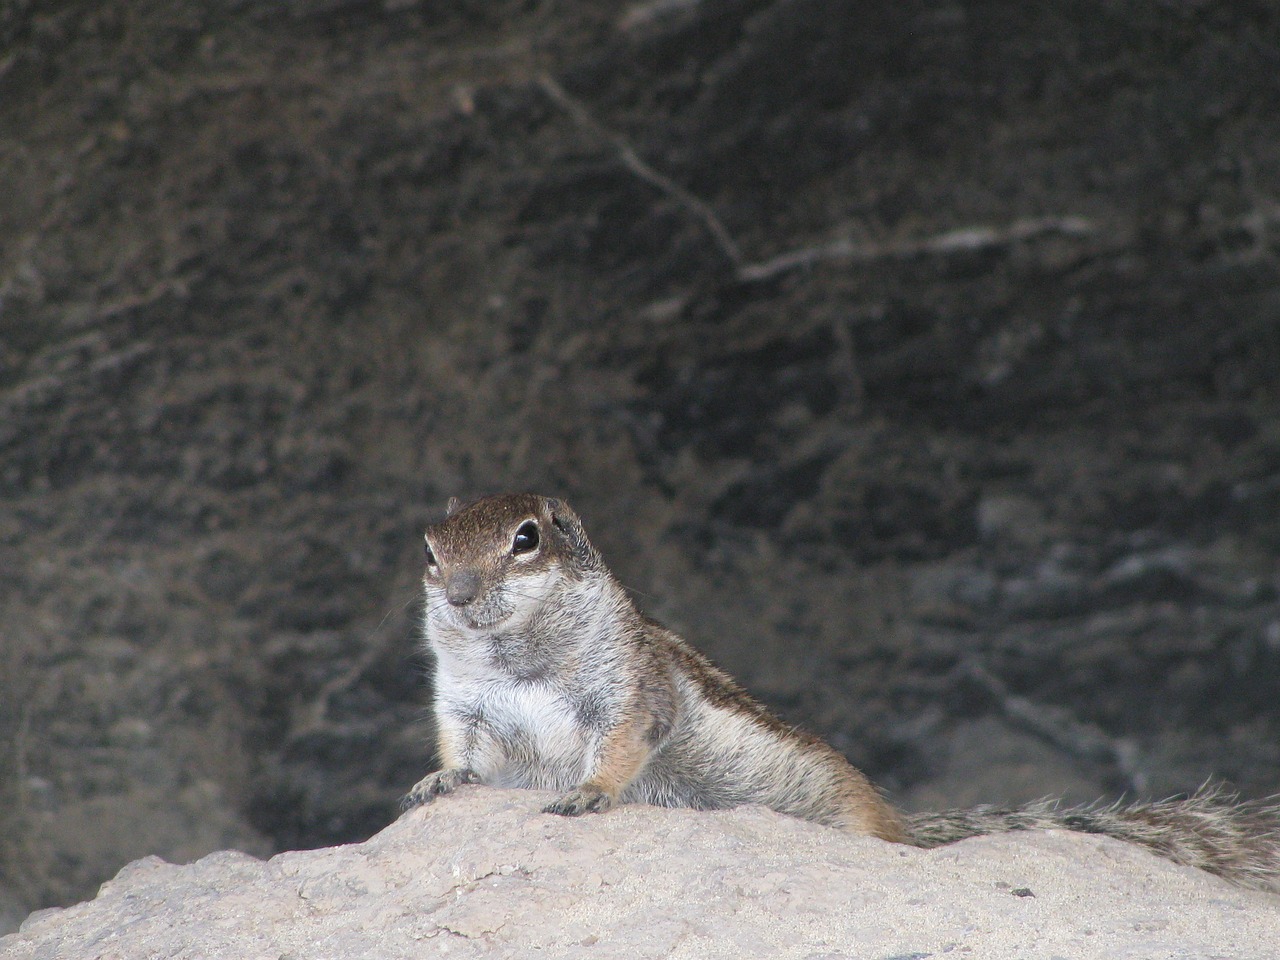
436, 785
586, 799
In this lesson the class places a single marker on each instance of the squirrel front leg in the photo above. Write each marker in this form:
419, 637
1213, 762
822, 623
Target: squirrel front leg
620, 756
455, 769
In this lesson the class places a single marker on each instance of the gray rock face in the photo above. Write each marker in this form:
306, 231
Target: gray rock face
485, 874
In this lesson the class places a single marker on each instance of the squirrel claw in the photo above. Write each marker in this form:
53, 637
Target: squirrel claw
436, 785
575, 803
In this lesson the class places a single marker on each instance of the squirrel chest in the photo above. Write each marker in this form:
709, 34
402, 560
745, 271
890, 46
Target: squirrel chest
522, 733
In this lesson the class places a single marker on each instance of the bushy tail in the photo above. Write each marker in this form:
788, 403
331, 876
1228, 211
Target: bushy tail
1212, 829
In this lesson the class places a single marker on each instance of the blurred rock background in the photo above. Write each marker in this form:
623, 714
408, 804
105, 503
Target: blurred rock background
917, 360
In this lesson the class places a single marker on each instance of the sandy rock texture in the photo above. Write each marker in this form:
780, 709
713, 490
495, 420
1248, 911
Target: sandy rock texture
485, 874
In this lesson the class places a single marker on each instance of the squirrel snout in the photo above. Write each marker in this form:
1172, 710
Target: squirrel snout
462, 588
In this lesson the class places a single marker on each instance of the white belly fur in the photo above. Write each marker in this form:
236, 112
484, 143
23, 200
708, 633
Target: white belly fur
529, 738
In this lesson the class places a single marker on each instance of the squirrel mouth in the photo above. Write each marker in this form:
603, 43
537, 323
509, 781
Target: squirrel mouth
480, 618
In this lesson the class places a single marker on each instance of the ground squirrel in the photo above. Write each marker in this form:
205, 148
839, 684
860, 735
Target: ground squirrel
548, 677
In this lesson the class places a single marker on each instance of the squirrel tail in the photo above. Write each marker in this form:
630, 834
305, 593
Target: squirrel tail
1212, 829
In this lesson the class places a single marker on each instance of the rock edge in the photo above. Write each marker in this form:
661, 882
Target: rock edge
484, 873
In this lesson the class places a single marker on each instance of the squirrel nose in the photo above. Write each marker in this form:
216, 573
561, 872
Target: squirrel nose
462, 587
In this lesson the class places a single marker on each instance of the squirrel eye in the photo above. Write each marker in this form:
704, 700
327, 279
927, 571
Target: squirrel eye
526, 538
431, 557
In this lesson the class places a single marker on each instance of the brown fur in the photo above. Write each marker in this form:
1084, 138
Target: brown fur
548, 677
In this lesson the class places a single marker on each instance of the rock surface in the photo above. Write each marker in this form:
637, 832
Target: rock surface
485, 874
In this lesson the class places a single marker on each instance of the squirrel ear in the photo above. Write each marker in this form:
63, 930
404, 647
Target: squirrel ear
452, 506
567, 522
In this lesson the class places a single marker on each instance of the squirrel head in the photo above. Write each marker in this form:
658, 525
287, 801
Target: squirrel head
493, 562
